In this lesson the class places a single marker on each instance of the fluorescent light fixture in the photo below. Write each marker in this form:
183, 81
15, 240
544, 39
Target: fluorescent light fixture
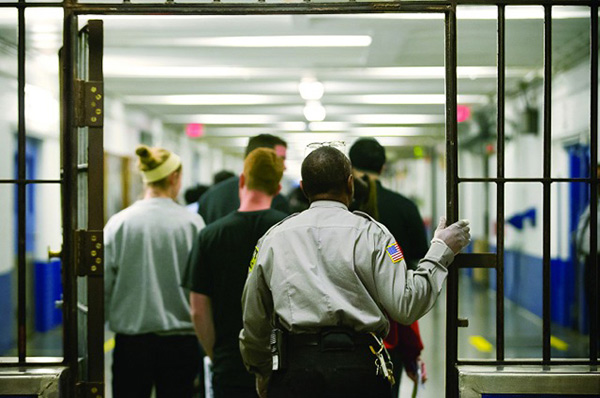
204, 99
314, 111
394, 132
222, 119
311, 89
479, 13
436, 72
407, 99
397, 119
270, 41
291, 126
328, 126
113, 67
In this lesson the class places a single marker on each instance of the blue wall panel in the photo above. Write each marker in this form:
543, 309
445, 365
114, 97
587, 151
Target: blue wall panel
48, 289
523, 280
7, 326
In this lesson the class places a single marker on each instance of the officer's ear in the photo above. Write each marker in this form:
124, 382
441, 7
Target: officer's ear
350, 185
278, 190
242, 182
302, 188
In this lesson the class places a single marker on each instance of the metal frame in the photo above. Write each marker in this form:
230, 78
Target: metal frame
72, 10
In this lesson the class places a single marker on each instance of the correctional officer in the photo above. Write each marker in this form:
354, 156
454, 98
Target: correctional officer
321, 286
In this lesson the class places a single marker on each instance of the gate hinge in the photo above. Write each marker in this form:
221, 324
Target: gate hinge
89, 103
88, 389
90, 252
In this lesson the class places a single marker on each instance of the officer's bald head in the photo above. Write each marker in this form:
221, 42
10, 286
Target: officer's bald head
325, 174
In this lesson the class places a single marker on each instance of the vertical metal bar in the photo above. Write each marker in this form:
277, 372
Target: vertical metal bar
21, 194
452, 200
593, 305
434, 188
500, 185
95, 321
69, 194
546, 184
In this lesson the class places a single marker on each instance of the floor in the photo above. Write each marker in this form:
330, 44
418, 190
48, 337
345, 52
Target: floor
523, 332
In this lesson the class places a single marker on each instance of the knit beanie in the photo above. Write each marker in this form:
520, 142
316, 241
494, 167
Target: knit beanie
156, 163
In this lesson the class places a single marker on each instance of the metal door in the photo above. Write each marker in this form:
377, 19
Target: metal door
82, 99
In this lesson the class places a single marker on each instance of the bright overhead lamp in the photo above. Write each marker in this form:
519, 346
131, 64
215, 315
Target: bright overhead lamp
417, 99
270, 41
397, 119
201, 99
222, 119
311, 89
314, 111
393, 131
328, 126
479, 13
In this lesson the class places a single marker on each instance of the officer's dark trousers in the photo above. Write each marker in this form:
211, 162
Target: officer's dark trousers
170, 363
313, 373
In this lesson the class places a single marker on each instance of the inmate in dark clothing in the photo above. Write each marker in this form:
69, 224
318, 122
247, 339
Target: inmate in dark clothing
223, 198
401, 216
218, 267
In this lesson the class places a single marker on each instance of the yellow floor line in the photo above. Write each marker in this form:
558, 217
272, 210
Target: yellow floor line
558, 344
109, 345
481, 344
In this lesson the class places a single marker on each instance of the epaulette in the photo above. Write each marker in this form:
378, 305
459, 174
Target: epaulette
280, 222
370, 218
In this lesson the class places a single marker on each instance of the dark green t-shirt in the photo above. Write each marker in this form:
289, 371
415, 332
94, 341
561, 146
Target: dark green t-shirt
218, 267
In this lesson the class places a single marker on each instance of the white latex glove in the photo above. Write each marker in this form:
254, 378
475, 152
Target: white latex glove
456, 236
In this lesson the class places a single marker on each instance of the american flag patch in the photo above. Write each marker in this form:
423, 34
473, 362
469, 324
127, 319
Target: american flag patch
394, 252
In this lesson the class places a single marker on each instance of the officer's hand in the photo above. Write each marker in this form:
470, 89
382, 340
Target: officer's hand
456, 236
262, 384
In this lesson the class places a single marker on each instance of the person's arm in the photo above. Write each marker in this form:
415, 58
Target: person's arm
110, 266
202, 319
257, 309
407, 295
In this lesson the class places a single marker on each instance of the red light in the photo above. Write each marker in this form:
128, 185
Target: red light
463, 112
194, 130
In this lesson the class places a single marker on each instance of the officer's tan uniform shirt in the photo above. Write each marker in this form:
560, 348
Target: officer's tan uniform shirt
329, 267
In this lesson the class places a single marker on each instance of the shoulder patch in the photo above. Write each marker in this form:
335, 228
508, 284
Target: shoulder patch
253, 261
394, 252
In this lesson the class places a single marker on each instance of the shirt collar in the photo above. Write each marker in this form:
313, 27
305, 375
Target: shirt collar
328, 203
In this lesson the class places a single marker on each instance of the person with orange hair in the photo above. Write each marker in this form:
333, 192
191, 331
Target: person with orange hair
146, 249
218, 268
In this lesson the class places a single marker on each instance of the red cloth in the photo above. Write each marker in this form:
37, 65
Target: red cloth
406, 339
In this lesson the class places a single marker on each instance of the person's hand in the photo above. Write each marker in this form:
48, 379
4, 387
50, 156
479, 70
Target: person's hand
262, 384
456, 236
414, 375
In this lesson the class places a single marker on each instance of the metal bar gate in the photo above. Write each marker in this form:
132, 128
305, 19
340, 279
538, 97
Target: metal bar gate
74, 233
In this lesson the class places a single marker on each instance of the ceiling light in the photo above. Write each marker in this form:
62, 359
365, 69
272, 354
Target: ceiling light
407, 99
222, 119
201, 99
314, 111
479, 13
328, 126
311, 89
270, 41
397, 119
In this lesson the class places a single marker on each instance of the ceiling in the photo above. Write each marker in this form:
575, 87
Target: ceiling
382, 74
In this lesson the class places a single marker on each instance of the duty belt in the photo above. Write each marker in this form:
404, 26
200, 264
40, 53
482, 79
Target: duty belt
330, 339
